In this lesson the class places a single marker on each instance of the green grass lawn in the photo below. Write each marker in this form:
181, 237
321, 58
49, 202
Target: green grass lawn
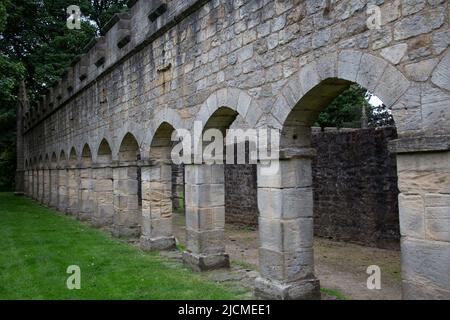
38, 244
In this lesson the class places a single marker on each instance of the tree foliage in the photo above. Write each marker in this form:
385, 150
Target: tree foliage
346, 111
37, 46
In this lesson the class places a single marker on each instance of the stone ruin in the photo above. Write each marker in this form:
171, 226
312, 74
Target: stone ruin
97, 144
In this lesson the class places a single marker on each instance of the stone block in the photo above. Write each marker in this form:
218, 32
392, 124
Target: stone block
205, 195
157, 228
412, 212
348, 64
288, 203
293, 173
418, 291
286, 266
426, 263
437, 217
297, 233
208, 262
203, 219
424, 172
205, 242
151, 244
267, 289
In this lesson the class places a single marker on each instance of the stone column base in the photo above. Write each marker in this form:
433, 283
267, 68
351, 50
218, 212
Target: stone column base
267, 289
206, 262
149, 244
125, 232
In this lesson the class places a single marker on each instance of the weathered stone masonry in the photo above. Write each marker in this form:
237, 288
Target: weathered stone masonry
354, 184
272, 64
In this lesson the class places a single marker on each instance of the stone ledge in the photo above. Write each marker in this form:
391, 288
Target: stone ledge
299, 290
201, 263
420, 144
151, 244
295, 153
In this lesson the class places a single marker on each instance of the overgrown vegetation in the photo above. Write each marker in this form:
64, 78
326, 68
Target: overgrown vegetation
38, 245
346, 111
36, 46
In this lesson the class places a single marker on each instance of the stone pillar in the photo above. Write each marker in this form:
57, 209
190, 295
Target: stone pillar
63, 201
205, 217
86, 195
423, 166
31, 183
54, 188
127, 216
286, 261
41, 185
104, 196
35, 184
73, 185
157, 208
47, 186
25, 182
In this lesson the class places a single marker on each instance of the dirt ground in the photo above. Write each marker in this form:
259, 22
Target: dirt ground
340, 267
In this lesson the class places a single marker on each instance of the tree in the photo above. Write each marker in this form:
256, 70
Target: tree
346, 110
36, 45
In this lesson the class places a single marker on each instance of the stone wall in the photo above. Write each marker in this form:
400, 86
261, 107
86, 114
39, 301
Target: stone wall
276, 63
355, 188
241, 202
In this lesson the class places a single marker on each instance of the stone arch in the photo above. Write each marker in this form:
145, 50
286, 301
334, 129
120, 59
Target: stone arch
46, 161
54, 161
168, 116
62, 161
235, 99
156, 192
73, 157
86, 155
135, 130
129, 150
330, 75
160, 147
104, 152
297, 107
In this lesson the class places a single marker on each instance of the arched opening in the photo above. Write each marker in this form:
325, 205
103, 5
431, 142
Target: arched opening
209, 189
104, 195
157, 193
73, 183
63, 200
340, 184
104, 154
86, 156
73, 158
127, 195
129, 149
86, 198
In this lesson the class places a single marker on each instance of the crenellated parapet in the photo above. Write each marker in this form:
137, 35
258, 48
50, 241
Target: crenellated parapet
124, 34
